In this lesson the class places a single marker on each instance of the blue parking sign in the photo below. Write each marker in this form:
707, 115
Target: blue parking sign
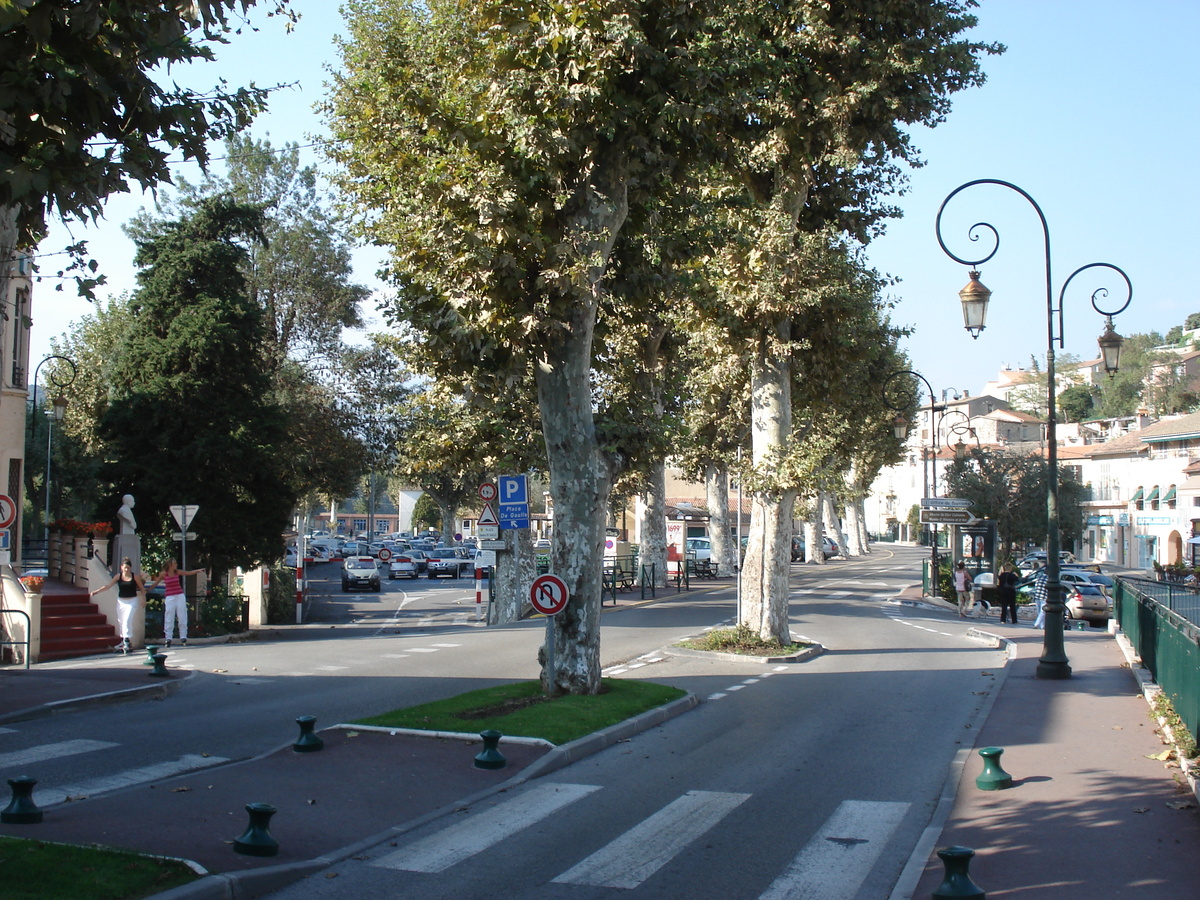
512, 489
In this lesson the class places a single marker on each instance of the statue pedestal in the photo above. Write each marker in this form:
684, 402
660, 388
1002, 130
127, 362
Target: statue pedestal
126, 545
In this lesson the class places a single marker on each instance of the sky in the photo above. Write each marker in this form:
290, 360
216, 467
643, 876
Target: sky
1092, 111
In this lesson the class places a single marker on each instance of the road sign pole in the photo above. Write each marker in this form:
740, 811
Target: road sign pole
550, 673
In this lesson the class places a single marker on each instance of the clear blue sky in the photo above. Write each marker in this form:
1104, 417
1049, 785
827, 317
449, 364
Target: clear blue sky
1093, 111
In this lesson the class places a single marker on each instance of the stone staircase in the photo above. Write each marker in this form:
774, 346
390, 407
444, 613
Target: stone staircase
72, 625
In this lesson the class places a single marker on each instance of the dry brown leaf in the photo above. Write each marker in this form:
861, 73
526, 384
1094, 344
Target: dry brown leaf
1141, 809
180, 790
1180, 804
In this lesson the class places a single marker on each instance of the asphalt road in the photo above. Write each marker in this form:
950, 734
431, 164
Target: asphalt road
831, 766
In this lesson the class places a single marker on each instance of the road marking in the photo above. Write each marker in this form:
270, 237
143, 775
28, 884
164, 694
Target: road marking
481, 830
51, 751
642, 851
719, 695
332, 668
834, 864
443, 646
395, 656
423, 650
188, 763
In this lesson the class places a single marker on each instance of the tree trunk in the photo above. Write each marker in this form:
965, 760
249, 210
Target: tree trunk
652, 525
716, 492
831, 517
768, 551
516, 567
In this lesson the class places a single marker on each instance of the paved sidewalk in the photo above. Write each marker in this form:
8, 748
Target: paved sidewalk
1090, 814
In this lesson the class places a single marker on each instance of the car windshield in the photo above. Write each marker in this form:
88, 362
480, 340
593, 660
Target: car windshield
361, 564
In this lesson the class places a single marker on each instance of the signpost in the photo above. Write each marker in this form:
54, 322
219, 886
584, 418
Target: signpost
184, 514
513, 494
549, 596
8, 511
944, 503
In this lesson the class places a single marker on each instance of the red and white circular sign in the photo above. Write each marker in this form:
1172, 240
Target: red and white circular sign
384, 554
549, 594
487, 491
8, 511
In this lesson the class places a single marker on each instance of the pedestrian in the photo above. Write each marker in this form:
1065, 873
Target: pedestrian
175, 604
130, 591
962, 586
1006, 591
1039, 598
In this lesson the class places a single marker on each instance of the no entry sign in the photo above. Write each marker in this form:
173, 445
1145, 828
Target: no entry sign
549, 594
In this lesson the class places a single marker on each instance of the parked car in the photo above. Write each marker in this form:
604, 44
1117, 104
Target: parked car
290, 557
829, 548
1083, 601
1079, 576
699, 548
1036, 560
360, 572
403, 566
452, 561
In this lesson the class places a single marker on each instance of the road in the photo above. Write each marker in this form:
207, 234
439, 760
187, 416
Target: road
810, 780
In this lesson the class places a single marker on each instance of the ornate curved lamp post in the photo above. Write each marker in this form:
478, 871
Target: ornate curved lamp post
905, 400
974, 297
54, 414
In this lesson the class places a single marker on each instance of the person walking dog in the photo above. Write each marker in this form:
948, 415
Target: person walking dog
175, 605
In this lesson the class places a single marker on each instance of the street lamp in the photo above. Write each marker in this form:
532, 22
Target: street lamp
974, 297
54, 414
905, 400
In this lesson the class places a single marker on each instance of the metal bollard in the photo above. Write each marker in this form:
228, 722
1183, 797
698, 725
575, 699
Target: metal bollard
957, 884
151, 650
308, 742
256, 840
22, 810
489, 757
160, 666
993, 778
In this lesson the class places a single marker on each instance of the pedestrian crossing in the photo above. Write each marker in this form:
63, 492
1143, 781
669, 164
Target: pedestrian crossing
831, 865
49, 794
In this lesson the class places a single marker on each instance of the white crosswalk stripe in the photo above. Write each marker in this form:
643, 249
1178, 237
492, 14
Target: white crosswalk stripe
51, 751
834, 864
642, 851
187, 763
479, 831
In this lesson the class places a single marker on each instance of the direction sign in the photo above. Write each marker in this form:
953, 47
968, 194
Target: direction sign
487, 491
493, 545
946, 516
514, 515
549, 594
8, 511
944, 503
184, 514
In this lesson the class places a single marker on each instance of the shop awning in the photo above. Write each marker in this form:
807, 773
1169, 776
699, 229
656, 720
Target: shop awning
1195, 540
1170, 494
1136, 497
1153, 495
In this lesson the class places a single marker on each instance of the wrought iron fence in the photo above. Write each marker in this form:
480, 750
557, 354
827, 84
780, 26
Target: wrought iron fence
1162, 622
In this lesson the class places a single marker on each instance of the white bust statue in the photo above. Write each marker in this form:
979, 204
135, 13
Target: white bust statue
125, 515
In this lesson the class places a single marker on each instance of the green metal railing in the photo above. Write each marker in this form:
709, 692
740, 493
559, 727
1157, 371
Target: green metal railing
1160, 619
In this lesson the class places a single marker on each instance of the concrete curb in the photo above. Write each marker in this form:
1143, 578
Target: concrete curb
799, 656
161, 687
255, 883
910, 877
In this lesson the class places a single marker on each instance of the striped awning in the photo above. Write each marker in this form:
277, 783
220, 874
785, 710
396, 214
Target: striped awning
1153, 495
1170, 494
1136, 497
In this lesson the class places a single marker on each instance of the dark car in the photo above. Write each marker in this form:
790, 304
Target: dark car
361, 572
452, 561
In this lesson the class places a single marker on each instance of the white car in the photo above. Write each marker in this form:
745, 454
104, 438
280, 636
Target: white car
402, 566
699, 548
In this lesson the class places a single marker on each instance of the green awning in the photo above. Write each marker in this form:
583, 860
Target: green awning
1170, 494
1136, 497
1153, 495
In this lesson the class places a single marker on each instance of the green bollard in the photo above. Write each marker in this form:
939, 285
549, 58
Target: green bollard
957, 884
151, 649
160, 666
22, 810
307, 742
489, 757
993, 778
256, 840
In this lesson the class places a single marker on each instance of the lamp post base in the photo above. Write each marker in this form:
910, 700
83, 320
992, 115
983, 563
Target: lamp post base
1053, 669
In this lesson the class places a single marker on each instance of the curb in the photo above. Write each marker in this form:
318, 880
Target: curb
799, 656
159, 689
256, 882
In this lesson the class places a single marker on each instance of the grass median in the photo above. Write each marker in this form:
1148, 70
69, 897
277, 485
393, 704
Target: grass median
523, 710
39, 870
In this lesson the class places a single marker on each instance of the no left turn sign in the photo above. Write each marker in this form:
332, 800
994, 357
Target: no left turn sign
549, 594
